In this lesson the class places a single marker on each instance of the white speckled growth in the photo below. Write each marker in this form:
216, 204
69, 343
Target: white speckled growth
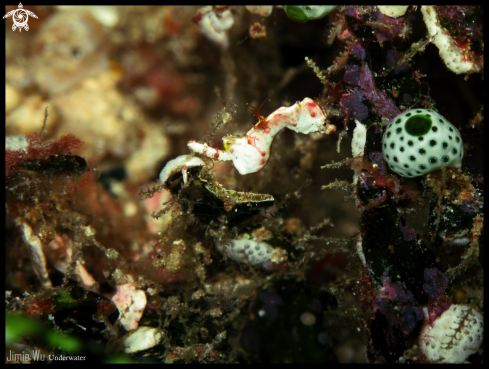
419, 141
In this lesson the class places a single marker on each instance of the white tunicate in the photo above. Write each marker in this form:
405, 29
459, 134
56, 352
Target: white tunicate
456, 335
248, 251
420, 141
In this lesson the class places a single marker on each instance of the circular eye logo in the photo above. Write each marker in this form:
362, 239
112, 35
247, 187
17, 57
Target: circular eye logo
20, 17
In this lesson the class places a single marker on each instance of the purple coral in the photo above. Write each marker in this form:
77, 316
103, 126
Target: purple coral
436, 282
390, 27
353, 104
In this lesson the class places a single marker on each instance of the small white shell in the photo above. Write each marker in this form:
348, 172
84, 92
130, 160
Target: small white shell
176, 165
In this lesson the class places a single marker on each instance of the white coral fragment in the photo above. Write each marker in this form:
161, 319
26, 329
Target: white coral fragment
251, 152
456, 335
143, 338
131, 303
456, 58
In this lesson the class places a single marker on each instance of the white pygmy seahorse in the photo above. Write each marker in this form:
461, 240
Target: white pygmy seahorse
250, 153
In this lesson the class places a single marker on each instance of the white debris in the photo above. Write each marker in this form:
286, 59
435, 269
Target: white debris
393, 11
359, 139
278, 255
456, 241
262, 10
14, 143
358, 145
359, 248
12, 98
142, 339
308, 318
456, 58
131, 303
426, 314
37, 255
251, 152
60, 255
215, 27
86, 278
456, 335
147, 157
106, 15
180, 164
